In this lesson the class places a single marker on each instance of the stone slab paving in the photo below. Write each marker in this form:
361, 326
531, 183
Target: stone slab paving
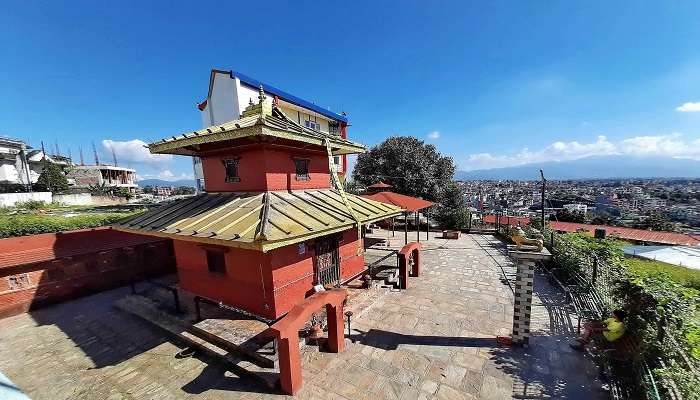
435, 340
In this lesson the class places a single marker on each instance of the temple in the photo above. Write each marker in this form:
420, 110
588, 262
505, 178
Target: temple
274, 222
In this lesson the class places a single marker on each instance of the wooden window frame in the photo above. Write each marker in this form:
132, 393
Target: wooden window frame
236, 163
297, 164
219, 265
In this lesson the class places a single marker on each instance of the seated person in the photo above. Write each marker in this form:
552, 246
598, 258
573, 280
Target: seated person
602, 331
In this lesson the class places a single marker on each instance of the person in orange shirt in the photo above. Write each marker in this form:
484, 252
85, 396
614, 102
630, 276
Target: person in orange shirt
608, 330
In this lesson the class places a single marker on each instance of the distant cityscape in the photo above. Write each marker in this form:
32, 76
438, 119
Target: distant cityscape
654, 204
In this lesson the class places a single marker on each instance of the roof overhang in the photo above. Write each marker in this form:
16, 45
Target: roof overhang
221, 134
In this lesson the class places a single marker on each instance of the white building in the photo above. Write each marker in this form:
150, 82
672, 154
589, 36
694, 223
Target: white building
576, 208
19, 165
230, 93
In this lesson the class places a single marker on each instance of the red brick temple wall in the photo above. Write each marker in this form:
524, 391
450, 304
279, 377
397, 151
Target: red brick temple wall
48, 268
246, 283
293, 273
264, 169
267, 284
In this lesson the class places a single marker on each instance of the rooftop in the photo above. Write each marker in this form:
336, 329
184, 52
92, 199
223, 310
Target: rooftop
435, 340
290, 98
262, 221
258, 120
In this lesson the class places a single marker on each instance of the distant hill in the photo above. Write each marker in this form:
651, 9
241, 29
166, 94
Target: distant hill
598, 167
160, 182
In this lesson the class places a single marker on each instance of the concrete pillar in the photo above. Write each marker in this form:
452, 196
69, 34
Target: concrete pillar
523, 301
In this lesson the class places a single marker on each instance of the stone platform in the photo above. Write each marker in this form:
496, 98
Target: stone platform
435, 340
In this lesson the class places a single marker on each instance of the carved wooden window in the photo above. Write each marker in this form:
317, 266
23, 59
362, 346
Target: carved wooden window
231, 166
302, 168
216, 261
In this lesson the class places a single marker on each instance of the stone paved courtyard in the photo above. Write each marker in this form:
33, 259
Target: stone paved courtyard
435, 340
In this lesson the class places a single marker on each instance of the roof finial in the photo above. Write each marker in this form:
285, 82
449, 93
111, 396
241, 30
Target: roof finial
261, 95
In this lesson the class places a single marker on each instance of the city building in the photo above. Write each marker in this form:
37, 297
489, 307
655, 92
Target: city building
20, 165
271, 228
231, 92
86, 176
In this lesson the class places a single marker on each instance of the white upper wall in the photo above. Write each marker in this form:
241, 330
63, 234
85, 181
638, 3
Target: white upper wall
230, 97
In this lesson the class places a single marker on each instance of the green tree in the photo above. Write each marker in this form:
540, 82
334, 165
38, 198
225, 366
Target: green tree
452, 212
565, 215
410, 165
657, 222
52, 178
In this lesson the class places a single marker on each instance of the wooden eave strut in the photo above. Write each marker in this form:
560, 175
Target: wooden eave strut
341, 190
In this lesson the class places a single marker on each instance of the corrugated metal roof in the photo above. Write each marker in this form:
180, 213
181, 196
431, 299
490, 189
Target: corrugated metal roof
506, 220
640, 235
400, 200
276, 125
261, 221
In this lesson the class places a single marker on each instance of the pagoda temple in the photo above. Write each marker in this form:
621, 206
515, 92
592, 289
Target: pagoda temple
274, 221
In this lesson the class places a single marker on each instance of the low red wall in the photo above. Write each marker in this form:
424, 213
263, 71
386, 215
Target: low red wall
44, 269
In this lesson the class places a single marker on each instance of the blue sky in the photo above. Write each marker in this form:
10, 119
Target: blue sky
490, 83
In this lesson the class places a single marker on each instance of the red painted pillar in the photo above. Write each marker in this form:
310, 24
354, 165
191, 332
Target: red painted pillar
290, 363
336, 326
403, 271
416, 263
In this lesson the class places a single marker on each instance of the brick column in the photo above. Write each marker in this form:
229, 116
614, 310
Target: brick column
523, 301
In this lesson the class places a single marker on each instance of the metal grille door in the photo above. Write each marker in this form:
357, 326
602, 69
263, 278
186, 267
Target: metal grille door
327, 267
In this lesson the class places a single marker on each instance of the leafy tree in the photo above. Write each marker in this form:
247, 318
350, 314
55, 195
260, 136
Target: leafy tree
452, 213
657, 222
565, 215
408, 164
52, 179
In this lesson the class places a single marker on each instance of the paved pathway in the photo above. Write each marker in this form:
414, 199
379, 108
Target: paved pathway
432, 341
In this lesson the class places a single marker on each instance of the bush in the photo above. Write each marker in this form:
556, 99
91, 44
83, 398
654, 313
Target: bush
22, 225
649, 268
32, 205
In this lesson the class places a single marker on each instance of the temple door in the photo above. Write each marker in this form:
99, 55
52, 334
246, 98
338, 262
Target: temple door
327, 266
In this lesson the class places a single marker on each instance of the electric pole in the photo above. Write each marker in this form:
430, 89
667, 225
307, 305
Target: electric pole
544, 182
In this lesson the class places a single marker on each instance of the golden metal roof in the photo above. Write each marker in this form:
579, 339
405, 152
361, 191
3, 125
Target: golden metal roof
261, 221
272, 122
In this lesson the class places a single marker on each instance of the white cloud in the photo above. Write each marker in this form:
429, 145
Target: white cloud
672, 145
689, 107
166, 175
434, 135
133, 151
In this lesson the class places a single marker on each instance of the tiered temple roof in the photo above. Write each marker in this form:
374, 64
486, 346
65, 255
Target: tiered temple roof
260, 221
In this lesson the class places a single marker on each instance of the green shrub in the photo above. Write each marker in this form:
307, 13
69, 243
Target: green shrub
32, 205
647, 268
21, 225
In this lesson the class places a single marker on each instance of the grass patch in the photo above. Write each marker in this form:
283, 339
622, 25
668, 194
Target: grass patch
31, 224
684, 276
